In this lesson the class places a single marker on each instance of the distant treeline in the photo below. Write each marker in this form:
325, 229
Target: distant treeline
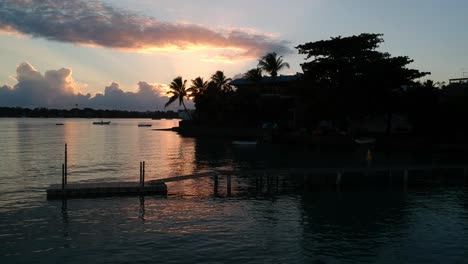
82, 113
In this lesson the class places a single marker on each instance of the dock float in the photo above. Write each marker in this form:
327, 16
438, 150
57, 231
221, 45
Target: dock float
76, 190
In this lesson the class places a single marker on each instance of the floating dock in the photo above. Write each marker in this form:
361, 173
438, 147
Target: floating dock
76, 190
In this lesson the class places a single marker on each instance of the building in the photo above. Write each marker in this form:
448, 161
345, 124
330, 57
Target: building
277, 97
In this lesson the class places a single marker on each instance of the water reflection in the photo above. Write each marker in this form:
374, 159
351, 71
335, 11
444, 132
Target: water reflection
142, 208
265, 219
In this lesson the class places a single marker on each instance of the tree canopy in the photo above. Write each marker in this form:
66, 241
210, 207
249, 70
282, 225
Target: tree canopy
352, 77
272, 64
178, 91
221, 81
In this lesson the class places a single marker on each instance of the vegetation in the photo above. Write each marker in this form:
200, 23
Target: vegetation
271, 63
348, 78
198, 87
178, 92
221, 82
82, 113
254, 75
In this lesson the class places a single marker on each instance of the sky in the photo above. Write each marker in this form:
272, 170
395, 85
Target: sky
121, 54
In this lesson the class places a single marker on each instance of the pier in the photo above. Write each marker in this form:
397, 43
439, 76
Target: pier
73, 190
401, 177
389, 177
153, 187
395, 177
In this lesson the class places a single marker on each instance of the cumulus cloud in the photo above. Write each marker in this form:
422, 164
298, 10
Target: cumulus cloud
57, 89
95, 23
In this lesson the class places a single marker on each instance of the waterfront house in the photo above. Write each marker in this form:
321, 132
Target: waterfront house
277, 95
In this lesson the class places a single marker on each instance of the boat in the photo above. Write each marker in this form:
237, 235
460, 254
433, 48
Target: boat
245, 143
144, 125
365, 140
59, 124
102, 123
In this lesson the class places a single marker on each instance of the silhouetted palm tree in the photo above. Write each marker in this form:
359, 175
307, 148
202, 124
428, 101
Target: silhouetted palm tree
254, 75
198, 86
272, 64
221, 82
178, 91
430, 84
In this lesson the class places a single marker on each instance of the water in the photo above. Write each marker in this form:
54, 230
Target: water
191, 225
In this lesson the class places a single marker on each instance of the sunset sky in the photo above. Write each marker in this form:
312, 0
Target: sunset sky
57, 53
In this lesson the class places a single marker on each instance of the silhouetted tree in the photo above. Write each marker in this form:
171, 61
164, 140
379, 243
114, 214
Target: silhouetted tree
272, 64
221, 82
178, 91
198, 86
421, 102
254, 75
349, 77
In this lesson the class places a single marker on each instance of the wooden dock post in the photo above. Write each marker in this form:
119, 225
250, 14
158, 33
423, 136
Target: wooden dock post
143, 176
228, 179
338, 178
215, 185
139, 180
66, 164
268, 181
277, 183
63, 176
405, 179
390, 178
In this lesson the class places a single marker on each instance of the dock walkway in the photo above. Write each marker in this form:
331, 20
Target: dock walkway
336, 176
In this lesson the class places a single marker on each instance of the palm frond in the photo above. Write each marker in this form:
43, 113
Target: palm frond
272, 63
171, 100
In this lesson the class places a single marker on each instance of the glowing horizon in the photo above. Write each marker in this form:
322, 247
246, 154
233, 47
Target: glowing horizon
128, 42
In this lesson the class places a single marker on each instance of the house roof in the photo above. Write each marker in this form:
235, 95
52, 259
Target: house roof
282, 79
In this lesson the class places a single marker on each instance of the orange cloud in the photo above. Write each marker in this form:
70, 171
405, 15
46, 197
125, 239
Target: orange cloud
94, 23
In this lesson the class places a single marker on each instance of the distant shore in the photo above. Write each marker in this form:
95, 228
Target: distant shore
83, 113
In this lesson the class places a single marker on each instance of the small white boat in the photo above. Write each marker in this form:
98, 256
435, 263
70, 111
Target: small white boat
144, 125
365, 140
245, 143
102, 123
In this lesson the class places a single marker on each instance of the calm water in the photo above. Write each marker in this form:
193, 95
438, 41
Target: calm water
191, 225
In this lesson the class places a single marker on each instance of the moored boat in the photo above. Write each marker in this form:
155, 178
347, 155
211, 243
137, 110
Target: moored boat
365, 140
244, 143
102, 123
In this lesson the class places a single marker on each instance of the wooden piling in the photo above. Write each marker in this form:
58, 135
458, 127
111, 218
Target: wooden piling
405, 179
143, 177
215, 185
141, 172
277, 183
338, 178
63, 176
66, 164
390, 178
228, 179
